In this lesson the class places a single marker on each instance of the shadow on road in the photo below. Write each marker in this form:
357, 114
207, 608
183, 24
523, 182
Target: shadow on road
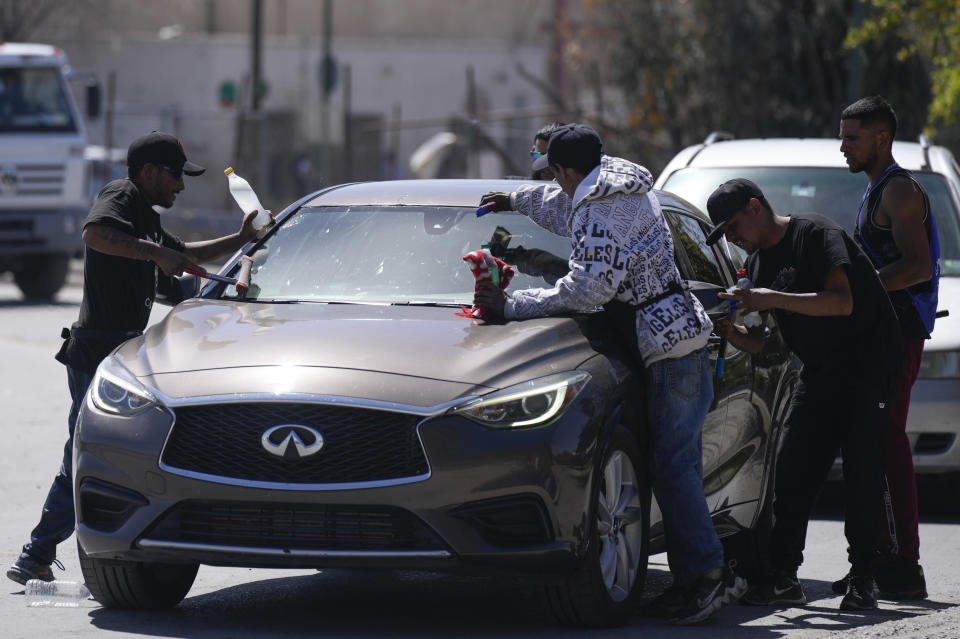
413, 604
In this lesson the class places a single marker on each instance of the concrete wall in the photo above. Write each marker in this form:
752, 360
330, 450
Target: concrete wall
407, 61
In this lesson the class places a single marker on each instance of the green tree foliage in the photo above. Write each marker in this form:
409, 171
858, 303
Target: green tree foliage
928, 30
750, 67
764, 68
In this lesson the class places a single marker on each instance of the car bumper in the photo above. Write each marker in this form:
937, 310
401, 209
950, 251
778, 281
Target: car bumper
511, 501
41, 231
933, 426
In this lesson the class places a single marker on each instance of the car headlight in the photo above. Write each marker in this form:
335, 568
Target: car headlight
940, 365
115, 390
531, 403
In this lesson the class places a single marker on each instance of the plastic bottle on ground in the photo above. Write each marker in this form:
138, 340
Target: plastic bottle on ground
56, 594
246, 198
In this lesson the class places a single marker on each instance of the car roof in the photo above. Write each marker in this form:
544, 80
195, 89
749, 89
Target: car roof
810, 152
441, 193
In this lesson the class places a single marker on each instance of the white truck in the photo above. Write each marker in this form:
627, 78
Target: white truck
43, 183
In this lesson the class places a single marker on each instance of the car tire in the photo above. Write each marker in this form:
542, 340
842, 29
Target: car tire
604, 588
136, 585
41, 276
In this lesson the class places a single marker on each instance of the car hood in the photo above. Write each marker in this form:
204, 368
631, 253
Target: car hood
430, 343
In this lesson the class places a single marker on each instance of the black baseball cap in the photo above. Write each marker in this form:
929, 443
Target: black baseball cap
161, 149
567, 143
727, 200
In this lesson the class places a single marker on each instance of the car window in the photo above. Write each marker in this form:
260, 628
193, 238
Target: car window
696, 256
397, 254
833, 192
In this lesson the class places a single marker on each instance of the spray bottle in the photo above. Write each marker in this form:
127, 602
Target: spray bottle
491, 264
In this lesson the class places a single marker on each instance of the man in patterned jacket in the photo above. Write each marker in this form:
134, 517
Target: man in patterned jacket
622, 258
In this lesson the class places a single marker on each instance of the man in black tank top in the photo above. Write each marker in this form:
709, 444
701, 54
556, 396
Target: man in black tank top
895, 226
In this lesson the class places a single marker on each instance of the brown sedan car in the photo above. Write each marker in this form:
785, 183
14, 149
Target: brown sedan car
341, 413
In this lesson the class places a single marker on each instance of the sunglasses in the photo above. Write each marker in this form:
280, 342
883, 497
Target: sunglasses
534, 156
175, 173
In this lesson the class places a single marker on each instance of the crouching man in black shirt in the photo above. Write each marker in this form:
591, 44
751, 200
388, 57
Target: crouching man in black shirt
837, 318
127, 253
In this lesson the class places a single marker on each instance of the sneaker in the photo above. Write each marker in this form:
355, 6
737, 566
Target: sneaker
783, 589
708, 594
861, 594
26, 568
901, 579
839, 587
667, 604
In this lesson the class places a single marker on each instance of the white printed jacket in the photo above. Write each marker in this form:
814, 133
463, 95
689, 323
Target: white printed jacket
621, 249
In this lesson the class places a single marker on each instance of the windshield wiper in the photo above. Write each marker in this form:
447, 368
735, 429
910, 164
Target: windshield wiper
437, 304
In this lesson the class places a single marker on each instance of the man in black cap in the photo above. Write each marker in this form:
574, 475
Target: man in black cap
622, 258
834, 313
127, 254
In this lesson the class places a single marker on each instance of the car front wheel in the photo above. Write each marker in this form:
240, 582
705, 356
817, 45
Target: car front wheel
135, 584
604, 589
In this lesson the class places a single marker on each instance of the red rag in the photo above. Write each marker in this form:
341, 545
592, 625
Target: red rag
480, 263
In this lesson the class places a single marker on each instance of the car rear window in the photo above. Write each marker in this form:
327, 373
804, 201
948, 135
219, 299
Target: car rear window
833, 192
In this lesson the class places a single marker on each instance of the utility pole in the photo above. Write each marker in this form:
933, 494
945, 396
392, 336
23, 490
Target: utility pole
256, 54
473, 160
327, 82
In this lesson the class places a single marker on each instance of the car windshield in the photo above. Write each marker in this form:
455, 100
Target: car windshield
833, 192
33, 100
397, 255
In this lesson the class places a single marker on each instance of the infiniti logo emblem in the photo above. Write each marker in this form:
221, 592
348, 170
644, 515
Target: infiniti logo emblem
291, 441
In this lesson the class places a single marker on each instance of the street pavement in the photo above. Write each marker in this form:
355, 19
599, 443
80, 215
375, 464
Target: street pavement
241, 602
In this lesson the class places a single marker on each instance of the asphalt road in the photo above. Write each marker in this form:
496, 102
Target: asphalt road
241, 603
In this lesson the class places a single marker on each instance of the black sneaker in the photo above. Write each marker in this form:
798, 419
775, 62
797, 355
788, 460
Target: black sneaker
783, 589
861, 594
901, 579
708, 594
667, 604
839, 587
26, 568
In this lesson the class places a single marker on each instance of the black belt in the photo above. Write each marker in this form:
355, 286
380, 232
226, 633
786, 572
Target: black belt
98, 334
671, 289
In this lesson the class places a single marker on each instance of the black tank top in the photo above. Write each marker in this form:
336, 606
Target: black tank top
884, 249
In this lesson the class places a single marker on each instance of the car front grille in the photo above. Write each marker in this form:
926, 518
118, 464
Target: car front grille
40, 179
293, 526
359, 444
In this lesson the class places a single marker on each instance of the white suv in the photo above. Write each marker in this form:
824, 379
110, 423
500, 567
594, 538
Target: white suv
811, 176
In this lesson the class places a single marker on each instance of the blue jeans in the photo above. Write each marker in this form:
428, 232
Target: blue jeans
57, 520
679, 392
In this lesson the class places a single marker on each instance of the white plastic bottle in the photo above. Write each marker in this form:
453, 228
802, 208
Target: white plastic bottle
752, 318
491, 263
246, 198
56, 594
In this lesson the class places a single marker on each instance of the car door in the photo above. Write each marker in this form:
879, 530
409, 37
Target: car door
707, 271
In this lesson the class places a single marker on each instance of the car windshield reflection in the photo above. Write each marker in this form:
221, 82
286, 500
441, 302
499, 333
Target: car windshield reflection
396, 255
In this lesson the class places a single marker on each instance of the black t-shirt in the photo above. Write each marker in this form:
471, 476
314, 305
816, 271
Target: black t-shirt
118, 292
862, 346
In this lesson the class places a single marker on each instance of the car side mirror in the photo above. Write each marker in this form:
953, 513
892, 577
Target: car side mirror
173, 290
